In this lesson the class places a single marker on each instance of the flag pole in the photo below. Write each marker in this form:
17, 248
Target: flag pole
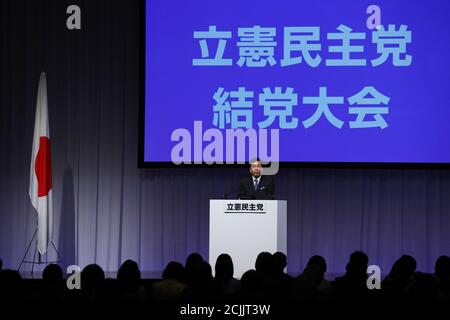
40, 189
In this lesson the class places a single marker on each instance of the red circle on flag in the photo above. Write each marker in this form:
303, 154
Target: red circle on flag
43, 167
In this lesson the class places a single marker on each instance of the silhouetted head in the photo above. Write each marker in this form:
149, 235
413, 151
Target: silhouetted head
9, 278
174, 270
305, 285
192, 262
318, 261
129, 274
10, 284
193, 259
224, 267
442, 267
264, 263
52, 274
251, 281
357, 266
1, 265
92, 277
403, 268
279, 262
203, 271
422, 287
201, 275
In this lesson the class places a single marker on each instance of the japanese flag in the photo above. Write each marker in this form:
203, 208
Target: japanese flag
41, 169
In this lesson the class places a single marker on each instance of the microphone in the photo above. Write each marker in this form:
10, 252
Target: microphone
227, 194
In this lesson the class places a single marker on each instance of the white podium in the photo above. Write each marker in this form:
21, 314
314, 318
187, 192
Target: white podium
244, 228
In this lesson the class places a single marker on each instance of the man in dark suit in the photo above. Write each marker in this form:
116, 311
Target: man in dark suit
257, 186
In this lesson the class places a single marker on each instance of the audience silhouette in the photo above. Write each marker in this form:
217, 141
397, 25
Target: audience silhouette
194, 282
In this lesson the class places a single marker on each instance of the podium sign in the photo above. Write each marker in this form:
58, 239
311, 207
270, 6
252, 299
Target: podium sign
244, 228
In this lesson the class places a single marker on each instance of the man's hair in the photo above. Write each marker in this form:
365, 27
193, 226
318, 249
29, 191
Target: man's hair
254, 160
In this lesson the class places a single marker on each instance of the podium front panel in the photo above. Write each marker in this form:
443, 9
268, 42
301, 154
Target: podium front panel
244, 228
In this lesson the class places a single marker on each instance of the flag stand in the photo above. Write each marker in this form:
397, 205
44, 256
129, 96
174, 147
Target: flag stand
39, 262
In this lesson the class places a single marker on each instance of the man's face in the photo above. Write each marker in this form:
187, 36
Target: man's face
255, 168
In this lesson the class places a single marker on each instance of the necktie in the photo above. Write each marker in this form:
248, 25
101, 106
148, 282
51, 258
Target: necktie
256, 184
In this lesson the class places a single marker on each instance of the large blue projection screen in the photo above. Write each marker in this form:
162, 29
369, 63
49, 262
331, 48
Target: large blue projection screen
304, 81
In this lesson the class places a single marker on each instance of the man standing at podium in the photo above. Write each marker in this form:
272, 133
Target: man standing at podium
257, 186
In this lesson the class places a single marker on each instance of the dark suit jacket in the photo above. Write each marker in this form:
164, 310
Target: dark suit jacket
266, 188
